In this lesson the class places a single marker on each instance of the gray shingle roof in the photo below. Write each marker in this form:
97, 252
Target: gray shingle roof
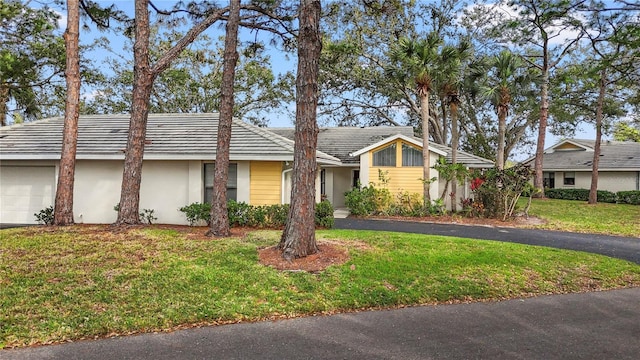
614, 155
169, 137
342, 141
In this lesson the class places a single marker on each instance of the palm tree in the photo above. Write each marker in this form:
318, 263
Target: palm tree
451, 68
506, 76
418, 59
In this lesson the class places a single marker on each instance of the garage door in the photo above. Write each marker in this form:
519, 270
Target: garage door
25, 190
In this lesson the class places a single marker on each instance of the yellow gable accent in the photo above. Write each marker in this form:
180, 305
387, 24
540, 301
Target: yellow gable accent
266, 182
398, 143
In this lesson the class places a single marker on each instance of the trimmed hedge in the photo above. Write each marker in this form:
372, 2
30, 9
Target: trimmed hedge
243, 214
621, 197
629, 197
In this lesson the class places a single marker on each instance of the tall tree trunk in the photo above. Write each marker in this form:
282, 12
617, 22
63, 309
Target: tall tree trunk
142, 84
593, 190
143, 78
455, 139
298, 239
426, 168
4, 99
219, 214
502, 129
538, 180
63, 209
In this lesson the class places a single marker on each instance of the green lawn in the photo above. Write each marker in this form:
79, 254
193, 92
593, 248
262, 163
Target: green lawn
578, 216
84, 282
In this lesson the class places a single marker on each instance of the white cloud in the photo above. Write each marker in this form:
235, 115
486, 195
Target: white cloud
62, 20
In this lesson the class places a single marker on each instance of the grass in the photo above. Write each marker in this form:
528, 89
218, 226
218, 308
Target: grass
82, 282
578, 216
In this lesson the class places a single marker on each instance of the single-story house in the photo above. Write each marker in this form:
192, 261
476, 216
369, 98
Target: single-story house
568, 165
178, 164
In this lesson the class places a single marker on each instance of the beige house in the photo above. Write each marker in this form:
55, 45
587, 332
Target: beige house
568, 165
178, 164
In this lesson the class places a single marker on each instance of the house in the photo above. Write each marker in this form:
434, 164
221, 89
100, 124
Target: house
178, 164
568, 165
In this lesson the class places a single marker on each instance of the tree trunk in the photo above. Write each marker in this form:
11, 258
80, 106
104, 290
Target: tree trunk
63, 209
538, 180
502, 128
454, 154
593, 190
219, 214
426, 168
298, 239
4, 99
142, 84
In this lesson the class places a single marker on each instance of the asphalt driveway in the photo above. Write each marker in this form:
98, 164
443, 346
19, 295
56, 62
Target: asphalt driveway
625, 248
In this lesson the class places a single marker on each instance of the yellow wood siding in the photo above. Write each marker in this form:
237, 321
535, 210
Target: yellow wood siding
400, 178
266, 182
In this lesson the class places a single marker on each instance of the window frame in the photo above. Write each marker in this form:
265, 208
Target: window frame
232, 187
569, 180
409, 147
389, 148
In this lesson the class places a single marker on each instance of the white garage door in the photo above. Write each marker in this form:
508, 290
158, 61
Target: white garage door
25, 190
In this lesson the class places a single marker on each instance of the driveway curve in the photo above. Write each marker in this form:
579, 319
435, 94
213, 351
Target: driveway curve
626, 248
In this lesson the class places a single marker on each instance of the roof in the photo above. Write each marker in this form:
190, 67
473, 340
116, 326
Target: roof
412, 140
577, 155
169, 137
342, 142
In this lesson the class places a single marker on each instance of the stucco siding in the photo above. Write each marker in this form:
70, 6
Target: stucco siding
342, 178
164, 189
266, 182
613, 181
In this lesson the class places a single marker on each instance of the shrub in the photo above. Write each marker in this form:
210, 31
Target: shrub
579, 194
243, 214
45, 216
499, 190
628, 197
324, 214
197, 212
277, 215
361, 200
147, 215
240, 213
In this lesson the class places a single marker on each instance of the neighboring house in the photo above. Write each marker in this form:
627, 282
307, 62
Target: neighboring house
568, 165
178, 164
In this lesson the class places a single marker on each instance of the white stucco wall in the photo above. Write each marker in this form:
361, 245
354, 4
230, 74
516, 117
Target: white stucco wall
613, 181
166, 186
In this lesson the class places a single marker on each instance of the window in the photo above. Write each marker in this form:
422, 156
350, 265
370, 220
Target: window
232, 182
411, 156
570, 178
385, 156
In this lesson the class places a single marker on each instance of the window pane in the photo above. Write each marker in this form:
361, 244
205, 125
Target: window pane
232, 183
385, 157
411, 156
